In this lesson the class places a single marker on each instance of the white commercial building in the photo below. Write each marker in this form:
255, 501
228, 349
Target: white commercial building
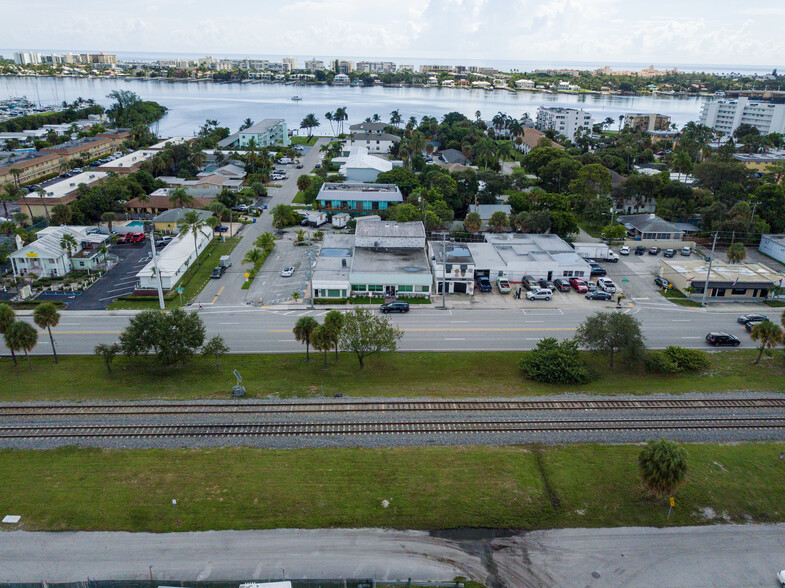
565, 121
174, 259
514, 255
382, 258
361, 166
452, 263
726, 115
46, 256
773, 246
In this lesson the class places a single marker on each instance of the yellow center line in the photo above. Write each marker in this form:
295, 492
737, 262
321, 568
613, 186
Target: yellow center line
217, 295
495, 329
81, 332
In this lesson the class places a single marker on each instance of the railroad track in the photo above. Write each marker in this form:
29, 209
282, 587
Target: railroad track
339, 406
387, 428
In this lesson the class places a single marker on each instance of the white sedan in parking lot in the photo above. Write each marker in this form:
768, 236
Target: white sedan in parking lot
287, 272
624, 250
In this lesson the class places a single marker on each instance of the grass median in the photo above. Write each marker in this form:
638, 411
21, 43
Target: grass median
439, 375
426, 488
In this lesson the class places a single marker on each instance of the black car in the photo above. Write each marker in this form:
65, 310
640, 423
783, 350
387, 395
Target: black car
562, 284
662, 282
396, 306
751, 325
640, 250
748, 318
546, 284
597, 270
669, 253
599, 295
722, 340
217, 272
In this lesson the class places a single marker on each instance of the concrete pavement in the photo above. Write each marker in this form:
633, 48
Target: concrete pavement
714, 555
228, 290
427, 328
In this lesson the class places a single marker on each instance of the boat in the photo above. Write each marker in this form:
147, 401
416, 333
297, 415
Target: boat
297, 97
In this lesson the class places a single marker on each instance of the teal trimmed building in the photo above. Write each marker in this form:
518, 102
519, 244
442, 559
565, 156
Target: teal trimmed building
358, 199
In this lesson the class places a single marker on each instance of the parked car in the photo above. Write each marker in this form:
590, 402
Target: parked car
624, 250
781, 577
546, 284
299, 166
669, 253
562, 284
685, 251
217, 272
134, 238
722, 339
598, 295
163, 241
317, 166
591, 286
607, 285
597, 270
503, 284
529, 283
746, 318
654, 250
539, 294
662, 283
579, 285
640, 250
484, 283
751, 325
240, 208
396, 306
287, 272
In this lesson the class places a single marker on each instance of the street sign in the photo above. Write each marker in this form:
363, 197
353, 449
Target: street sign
238, 376
247, 275
673, 501
180, 289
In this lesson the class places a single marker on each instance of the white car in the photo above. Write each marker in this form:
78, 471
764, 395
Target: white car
781, 577
287, 272
624, 250
607, 285
539, 294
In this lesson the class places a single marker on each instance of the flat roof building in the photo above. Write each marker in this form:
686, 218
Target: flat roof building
727, 282
128, 163
62, 192
358, 199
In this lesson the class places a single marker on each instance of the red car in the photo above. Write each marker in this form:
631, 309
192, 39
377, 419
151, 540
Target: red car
134, 238
579, 285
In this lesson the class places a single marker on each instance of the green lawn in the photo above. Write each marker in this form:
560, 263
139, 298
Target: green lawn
299, 198
678, 297
439, 375
296, 140
193, 281
595, 232
526, 487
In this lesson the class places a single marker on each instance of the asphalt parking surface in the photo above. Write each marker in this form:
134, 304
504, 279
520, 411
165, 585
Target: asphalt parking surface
118, 281
270, 285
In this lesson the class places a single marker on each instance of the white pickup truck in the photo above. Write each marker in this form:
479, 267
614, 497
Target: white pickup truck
596, 251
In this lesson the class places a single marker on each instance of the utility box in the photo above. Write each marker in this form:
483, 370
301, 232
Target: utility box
340, 220
238, 391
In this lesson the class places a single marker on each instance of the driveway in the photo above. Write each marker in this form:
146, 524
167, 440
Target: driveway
228, 291
118, 281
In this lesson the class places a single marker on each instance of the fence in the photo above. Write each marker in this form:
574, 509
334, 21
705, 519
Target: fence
315, 583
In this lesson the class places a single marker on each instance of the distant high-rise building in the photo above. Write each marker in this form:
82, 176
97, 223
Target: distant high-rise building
726, 115
290, 63
314, 65
647, 122
377, 67
342, 66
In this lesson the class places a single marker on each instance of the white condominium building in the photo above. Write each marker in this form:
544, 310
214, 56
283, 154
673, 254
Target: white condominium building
726, 115
565, 121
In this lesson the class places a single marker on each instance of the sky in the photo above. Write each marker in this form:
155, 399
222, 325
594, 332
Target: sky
734, 32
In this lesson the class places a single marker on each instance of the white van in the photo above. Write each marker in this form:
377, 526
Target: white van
284, 161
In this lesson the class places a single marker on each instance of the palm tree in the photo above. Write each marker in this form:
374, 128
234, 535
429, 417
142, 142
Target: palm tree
322, 340
69, 243
179, 198
395, 118
265, 240
329, 117
485, 152
663, 466
477, 116
769, 335
46, 316
61, 214
303, 329
7, 318
247, 124
192, 222
333, 323
340, 116
10, 193
253, 256
621, 120
27, 204
737, 253
109, 218
309, 122
21, 336
220, 211
42, 195
473, 222
682, 162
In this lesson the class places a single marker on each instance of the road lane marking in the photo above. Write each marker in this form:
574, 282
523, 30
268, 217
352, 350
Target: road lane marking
692, 337
217, 295
228, 323
681, 320
288, 313
83, 332
454, 339
447, 329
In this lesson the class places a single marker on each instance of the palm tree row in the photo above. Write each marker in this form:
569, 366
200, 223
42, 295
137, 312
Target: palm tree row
324, 337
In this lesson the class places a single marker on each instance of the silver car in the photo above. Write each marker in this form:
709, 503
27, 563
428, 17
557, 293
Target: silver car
607, 285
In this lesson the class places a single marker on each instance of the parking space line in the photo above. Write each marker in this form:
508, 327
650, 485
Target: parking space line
288, 313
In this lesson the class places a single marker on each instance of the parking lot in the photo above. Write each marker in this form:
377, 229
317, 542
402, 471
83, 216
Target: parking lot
119, 281
270, 285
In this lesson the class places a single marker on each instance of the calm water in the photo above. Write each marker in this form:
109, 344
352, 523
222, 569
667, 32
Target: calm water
191, 104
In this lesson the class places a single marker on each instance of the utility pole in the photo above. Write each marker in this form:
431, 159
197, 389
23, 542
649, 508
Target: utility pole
708, 272
444, 271
157, 273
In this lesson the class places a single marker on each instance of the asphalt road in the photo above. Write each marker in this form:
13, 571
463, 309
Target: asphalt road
427, 328
714, 555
